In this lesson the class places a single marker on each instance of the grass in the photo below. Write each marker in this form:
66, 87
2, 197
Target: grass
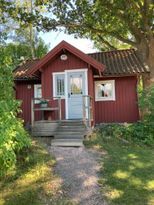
32, 182
127, 171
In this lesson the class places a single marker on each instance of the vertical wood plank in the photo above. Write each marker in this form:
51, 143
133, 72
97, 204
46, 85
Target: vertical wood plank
59, 106
32, 112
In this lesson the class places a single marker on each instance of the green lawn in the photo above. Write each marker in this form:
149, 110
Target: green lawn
33, 181
127, 171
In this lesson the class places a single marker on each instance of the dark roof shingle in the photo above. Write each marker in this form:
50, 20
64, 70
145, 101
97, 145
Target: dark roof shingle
21, 71
118, 62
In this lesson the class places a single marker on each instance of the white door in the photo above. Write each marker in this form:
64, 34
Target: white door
76, 84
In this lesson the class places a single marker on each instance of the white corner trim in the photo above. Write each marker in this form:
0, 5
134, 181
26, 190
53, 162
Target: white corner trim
113, 98
66, 95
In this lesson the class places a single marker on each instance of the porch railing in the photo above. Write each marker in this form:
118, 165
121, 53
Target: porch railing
87, 110
40, 102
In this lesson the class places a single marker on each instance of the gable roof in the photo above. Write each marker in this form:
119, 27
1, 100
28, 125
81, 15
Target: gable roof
71, 49
117, 63
120, 62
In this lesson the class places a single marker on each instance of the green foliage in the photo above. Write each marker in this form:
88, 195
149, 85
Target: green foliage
13, 137
32, 182
17, 51
106, 21
127, 170
147, 103
141, 132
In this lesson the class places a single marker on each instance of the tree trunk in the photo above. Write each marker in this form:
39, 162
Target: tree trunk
146, 54
150, 60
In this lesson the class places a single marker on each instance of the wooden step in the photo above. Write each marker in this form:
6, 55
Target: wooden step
67, 143
69, 132
71, 127
69, 136
71, 123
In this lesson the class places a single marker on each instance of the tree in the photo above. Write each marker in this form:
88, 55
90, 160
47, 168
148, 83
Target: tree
19, 51
13, 137
130, 22
23, 37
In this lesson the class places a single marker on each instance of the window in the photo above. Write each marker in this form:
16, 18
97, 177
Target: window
58, 84
76, 85
37, 92
105, 90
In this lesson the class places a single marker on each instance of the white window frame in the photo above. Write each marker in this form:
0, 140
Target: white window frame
112, 98
36, 86
54, 85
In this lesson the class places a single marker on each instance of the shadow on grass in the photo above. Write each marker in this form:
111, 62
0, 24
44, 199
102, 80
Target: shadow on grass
32, 182
127, 174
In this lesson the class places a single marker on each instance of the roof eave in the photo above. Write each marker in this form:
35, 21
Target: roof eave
71, 49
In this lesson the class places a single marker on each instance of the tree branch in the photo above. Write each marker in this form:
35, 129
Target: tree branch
133, 28
107, 43
114, 34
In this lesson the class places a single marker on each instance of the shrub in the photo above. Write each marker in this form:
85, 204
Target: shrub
141, 132
146, 103
13, 137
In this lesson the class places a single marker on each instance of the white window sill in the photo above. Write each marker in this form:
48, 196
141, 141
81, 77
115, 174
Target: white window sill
104, 99
62, 97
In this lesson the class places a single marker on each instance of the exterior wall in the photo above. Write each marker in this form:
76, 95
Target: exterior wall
124, 108
58, 65
25, 95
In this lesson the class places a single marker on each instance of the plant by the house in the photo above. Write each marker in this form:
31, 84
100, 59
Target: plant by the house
43, 103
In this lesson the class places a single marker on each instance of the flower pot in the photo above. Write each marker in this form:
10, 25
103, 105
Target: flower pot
44, 105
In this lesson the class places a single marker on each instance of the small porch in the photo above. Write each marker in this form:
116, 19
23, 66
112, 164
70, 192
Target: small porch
52, 120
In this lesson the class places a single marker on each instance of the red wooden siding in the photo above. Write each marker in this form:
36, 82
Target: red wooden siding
58, 65
25, 95
124, 108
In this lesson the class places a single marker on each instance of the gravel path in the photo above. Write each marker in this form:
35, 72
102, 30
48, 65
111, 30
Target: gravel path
78, 169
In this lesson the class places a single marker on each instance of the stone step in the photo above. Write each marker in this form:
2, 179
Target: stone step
67, 142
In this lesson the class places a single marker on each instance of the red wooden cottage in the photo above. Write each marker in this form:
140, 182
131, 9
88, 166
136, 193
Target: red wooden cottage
69, 84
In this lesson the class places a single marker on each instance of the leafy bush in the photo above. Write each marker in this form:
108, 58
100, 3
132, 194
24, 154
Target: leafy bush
141, 132
146, 103
13, 137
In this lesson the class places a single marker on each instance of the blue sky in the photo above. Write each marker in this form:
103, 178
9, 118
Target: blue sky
53, 38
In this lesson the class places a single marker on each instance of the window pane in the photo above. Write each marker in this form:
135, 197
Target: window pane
39, 92
104, 90
76, 85
60, 85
